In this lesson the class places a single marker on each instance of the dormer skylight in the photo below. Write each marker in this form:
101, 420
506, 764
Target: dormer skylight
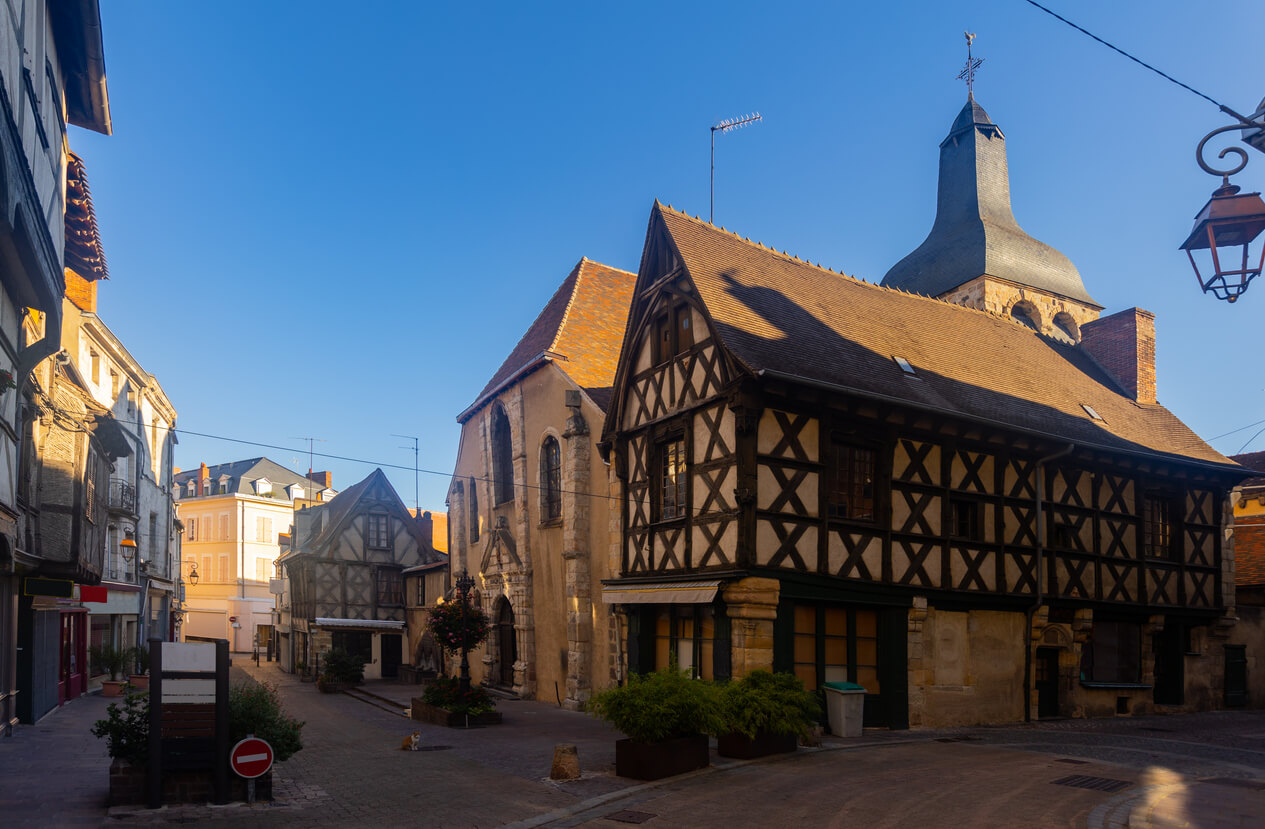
1089, 410
905, 366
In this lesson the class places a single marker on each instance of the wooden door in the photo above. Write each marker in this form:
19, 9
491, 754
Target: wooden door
1235, 675
1047, 668
1170, 674
390, 655
508, 646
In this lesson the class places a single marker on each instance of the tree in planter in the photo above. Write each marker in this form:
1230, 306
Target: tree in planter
111, 660
765, 713
445, 692
451, 629
126, 729
667, 717
255, 708
342, 667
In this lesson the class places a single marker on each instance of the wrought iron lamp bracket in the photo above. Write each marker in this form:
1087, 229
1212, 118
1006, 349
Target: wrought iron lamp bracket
1239, 151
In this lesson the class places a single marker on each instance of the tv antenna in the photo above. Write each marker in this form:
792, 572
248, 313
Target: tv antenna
417, 505
728, 125
310, 452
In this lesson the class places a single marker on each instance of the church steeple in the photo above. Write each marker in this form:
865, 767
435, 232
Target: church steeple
975, 234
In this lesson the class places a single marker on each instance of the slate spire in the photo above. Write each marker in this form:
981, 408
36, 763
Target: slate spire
975, 232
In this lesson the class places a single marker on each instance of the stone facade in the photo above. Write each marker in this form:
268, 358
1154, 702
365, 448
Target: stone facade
1055, 316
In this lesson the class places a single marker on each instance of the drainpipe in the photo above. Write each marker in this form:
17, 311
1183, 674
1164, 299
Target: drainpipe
1038, 599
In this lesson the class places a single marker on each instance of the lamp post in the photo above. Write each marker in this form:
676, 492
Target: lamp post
1228, 221
464, 583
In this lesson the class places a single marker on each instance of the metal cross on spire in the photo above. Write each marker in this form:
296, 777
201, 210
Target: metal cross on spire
968, 72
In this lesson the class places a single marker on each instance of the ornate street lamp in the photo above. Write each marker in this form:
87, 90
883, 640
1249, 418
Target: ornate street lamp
464, 583
193, 574
127, 547
1226, 227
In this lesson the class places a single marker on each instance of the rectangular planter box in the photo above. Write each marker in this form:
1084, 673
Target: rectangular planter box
128, 785
652, 761
442, 716
742, 747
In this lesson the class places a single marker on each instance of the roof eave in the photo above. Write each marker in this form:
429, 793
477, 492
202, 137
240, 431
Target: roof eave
81, 52
539, 360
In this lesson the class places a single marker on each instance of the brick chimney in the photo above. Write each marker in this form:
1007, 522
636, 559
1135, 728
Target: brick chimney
1124, 344
82, 292
203, 474
325, 479
427, 526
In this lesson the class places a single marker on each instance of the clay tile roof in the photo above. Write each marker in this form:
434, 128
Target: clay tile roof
1254, 461
581, 328
790, 318
1249, 552
84, 254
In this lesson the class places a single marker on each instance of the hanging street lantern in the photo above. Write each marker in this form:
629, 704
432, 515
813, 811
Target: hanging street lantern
193, 575
128, 548
1226, 227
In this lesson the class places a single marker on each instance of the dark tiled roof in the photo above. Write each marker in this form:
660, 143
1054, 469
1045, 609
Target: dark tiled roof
243, 473
584, 323
1249, 551
1254, 461
323, 534
84, 254
784, 315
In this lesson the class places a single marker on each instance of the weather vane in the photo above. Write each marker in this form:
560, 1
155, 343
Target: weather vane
968, 72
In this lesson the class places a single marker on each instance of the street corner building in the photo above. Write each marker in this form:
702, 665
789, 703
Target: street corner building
530, 509
343, 578
956, 488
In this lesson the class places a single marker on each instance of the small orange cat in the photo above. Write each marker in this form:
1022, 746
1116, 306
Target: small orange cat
412, 742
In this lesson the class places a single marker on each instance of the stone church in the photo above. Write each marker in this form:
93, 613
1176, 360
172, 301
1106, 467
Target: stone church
957, 488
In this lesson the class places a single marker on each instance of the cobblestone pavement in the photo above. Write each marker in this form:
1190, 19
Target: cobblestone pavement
1202, 770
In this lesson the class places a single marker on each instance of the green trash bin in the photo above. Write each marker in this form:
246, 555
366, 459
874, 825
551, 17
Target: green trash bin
845, 707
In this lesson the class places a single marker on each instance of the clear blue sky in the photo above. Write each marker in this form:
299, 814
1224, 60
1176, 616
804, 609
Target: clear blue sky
336, 220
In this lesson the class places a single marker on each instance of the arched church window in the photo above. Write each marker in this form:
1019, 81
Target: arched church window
550, 480
502, 458
473, 509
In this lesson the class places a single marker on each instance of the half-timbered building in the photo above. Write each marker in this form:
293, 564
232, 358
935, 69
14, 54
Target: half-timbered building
343, 577
979, 513
529, 507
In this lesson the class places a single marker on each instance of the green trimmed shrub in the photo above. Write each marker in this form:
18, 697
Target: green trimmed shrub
445, 692
109, 659
659, 706
341, 666
126, 729
767, 702
255, 708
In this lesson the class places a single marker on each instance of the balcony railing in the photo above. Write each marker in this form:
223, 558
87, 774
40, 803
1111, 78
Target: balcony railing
122, 495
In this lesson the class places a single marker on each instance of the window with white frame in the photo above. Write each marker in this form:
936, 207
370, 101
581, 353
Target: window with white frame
377, 531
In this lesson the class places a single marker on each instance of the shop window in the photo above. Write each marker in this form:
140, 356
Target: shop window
502, 458
1113, 653
688, 633
1161, 533
836, 644
851, 492
358, 643
390, 587
550, 480
670, 480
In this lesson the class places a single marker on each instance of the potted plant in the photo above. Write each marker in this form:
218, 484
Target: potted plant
666, 717
300, 668
342, 670
442, 703
764, 713
140, 679
111, 660
457, 622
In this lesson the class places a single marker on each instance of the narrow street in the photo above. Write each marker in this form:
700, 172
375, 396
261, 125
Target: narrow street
1205, 770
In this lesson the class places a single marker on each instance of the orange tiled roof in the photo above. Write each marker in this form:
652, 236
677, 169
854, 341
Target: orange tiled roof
83, 241
779, 314
581, 327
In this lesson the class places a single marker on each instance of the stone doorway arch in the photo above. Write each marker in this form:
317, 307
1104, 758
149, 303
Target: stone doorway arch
506, 641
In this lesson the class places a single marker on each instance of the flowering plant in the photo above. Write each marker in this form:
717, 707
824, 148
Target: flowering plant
6, 381
445, 692
450, 629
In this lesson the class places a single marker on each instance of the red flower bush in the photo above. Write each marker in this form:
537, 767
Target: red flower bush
450, 630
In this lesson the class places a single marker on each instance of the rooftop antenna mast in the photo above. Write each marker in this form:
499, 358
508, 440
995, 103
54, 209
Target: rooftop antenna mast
310, 452
417, 504
727, 125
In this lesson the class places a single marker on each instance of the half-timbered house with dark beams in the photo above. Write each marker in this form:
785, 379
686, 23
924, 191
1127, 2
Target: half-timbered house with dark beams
981, 514
343, 577
529, 508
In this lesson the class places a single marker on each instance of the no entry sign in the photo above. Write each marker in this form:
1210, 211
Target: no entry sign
251, 757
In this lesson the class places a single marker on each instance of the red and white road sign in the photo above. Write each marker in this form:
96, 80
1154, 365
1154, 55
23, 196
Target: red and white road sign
251, 757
